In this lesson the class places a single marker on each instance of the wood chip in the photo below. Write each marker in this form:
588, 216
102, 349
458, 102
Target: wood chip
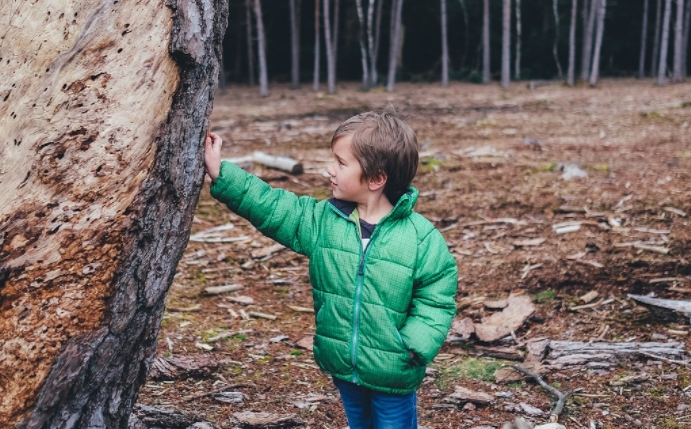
242, 299
657, 249
266, 251
667, 280
675, 211
250, 420
196, 307
463, 328
261, 315
203, 346
510, 319
591, 263
462, 394
306, 342
301, 309
589, 297
529, 242
497, 304
489, 248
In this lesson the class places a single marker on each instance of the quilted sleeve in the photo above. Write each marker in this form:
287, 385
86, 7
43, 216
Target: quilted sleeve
276, 213
433, 304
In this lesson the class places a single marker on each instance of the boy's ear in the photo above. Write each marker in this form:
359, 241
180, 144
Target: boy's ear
378, 182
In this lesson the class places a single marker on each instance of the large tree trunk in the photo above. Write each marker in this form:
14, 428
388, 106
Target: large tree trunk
395, 43
664, 45
330, 55
644, 41
678, 43
485, 42
570, 74
588, 40
107, 105
261, 50
294, 45
602, 11
518, 40
249, 6
317, 48
656, 39
363, 47
444, 48
506, 46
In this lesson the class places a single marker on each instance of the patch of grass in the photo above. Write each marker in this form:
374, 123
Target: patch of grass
295, 353
471, 368
686, 104
431, 164
239, 337
549, 167
601, 167
545, 296
653, 114
668, 423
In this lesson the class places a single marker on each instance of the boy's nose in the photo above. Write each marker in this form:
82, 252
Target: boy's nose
330, 169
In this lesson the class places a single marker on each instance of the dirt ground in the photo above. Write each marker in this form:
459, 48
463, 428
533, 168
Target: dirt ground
491, 176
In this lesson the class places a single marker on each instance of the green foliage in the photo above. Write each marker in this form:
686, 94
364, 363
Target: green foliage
295, 353
545, 296
239, 337
470, 368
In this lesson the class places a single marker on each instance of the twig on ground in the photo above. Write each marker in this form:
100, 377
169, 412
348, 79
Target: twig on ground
679, 362
211, 392
562, 397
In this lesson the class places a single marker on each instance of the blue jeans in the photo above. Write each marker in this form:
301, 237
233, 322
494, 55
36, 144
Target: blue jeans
369, 409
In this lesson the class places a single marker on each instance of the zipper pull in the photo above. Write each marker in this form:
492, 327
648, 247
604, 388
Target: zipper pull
361, 269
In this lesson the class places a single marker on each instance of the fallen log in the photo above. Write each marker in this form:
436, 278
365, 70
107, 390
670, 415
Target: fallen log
282, 163
664, 309
564, 353
181, 367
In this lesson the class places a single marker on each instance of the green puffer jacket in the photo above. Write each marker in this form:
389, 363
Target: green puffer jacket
373, 307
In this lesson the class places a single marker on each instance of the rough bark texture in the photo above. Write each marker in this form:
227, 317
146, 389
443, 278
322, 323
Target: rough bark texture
505, 46
644, 41
105, 107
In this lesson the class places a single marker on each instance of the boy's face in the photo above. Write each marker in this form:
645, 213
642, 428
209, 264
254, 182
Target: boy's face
346, 173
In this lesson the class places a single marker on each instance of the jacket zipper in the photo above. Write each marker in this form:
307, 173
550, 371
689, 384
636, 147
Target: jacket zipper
358, 291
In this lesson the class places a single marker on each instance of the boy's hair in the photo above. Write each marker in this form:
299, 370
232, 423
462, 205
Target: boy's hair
383, 144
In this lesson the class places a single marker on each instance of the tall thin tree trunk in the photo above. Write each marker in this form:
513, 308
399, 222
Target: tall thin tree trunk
377, 40
96, 216
294, 46
363, 49
330, 58
644, 41
466, 28
678, 43
370, 44
602, 11
250, 44
506, 46
335, 38
444, 48
585, 13
485, 42
657, 37
588, 41
317, 47
571, 74
685, 48
518, 39
555, 46
664, 45
261, 48
395, 45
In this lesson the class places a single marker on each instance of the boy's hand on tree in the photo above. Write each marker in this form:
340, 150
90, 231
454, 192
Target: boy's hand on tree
212, 155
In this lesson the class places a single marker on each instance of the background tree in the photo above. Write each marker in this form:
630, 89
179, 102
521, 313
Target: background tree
331, 42
98, 199
295, 43
394, 45
363, 47
506, 46
444, 47
601, 5
485, 43
317, 48
261, 50
644, 41
518, 40
555, 46
664, 45
685, 47
656, 39
678, 43
588, 39
570, 74
249, 6
374, 52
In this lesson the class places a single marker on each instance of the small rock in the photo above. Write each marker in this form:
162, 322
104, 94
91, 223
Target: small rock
530, 410
466, 395
571, 171
497, 304
469, 407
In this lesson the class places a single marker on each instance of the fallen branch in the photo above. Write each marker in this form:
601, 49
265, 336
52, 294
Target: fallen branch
210, 392
562, 397
278, 162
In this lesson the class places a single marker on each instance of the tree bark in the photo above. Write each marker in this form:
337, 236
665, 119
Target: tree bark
317, 47
555, 46
602, 11
678, 43
518, 40
294, 46
644, 41
395, 44
444, 48
363, 48
330, 57
685, 48
485, 42
506, 46
570, 74
664, 45
97, 196
250, 45
261, 50
588, 41
656, 42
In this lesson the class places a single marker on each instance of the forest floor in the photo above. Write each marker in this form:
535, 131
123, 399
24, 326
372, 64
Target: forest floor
491, 178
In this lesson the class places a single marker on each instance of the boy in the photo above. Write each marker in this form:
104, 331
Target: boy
382, 277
